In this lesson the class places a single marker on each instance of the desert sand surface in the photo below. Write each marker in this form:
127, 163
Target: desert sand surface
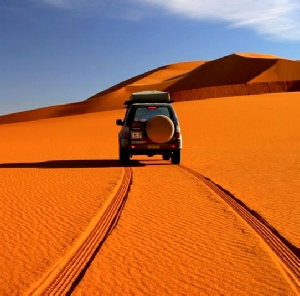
174, 234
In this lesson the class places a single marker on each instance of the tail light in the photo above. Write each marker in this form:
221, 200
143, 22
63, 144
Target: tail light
126, 132
177, 132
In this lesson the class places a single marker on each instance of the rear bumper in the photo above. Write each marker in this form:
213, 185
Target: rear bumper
150, 152
135, 148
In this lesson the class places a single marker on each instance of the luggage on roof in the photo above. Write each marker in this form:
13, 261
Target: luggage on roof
152, 96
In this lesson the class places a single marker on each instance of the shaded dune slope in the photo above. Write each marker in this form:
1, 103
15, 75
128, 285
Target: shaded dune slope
233, 69
238, 75
232, 75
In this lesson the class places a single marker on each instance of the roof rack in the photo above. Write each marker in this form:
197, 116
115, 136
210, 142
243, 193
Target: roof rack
152, 96
129, 103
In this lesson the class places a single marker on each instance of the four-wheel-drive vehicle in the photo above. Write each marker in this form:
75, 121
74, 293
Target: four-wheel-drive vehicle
150, 127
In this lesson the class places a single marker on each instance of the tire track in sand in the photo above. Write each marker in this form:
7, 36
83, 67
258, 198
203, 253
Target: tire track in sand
62, 276
175, 236
286, 254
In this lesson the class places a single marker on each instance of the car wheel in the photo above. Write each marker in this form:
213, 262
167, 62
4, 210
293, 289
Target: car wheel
160, 129
166, 156
124, 156
176, 157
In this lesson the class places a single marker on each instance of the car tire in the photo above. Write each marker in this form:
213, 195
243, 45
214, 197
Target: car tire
166, 156
124, 156
176, 157
160, 129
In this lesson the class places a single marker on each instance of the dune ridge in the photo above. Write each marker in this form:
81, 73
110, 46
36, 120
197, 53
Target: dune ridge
233, 75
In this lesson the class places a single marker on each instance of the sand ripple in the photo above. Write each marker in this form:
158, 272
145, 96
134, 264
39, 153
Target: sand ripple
43, 211
175, 236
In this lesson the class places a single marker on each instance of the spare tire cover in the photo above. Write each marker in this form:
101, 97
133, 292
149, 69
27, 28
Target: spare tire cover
160, 129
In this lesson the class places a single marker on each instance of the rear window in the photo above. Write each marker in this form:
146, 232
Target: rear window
145, 113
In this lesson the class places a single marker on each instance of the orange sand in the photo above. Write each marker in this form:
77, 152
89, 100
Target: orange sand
174, 235
54, 177
250, 146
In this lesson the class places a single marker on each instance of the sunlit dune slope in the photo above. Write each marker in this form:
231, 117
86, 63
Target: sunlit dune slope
232, 75
164, 77
282, 70
157, 76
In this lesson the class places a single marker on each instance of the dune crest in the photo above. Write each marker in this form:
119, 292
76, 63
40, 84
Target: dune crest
257, 55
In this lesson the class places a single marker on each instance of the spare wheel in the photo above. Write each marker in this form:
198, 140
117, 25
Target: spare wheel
160, 129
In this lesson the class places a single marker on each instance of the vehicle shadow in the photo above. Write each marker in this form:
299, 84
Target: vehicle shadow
70, 164
83, 163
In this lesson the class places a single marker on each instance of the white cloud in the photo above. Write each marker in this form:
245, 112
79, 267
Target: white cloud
279, 19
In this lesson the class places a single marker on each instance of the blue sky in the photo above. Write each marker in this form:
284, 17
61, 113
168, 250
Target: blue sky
59, 51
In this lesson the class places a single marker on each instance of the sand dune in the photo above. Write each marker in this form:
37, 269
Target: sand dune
110, 99
232, 69
233, 75
174, 234
283, 70
238, 74
164, 77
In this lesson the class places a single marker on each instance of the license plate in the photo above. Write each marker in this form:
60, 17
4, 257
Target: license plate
136, 135
153, 146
